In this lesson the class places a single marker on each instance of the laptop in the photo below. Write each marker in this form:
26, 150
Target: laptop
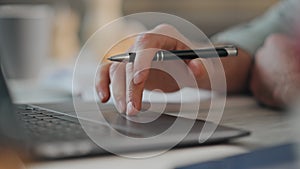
53, 131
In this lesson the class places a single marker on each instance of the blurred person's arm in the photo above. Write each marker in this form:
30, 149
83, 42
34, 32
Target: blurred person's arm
251, 36
276, 73
273, 81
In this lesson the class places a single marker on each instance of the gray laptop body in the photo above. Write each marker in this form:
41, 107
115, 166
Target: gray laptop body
52, 131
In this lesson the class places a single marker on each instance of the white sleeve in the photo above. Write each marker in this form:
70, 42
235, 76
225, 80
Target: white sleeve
250, 36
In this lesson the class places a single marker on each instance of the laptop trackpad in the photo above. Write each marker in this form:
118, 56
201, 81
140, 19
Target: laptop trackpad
149, 122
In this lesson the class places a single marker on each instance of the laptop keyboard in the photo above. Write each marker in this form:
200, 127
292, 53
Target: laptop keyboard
44, 125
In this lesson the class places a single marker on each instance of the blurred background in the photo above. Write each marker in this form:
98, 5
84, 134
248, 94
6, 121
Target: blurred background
63, 26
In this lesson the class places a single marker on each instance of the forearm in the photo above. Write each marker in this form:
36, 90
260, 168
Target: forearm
252, 34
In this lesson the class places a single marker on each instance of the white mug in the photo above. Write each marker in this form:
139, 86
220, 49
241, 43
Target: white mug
25, 39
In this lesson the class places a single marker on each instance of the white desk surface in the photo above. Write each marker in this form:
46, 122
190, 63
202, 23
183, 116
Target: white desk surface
269, 127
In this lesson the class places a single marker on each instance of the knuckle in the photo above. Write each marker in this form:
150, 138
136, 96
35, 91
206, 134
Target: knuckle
158, 30
164, 26
145, 37
167, 31
143, 40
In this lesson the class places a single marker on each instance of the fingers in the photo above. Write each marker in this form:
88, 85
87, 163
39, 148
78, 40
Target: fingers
118, 85
113, 73
200, 73
102, 86
197, 67
144, 55
162, 37
128, 80
137, 73
134, 92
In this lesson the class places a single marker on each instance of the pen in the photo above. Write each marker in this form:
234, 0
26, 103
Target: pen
163, 55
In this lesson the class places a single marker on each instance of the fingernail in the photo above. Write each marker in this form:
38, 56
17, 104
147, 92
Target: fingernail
131, 110
101, 96
121, 106
137, 78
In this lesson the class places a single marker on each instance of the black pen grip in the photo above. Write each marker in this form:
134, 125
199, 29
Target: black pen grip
189, 54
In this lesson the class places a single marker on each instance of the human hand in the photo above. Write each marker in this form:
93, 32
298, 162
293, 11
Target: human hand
275, 77
128, 80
